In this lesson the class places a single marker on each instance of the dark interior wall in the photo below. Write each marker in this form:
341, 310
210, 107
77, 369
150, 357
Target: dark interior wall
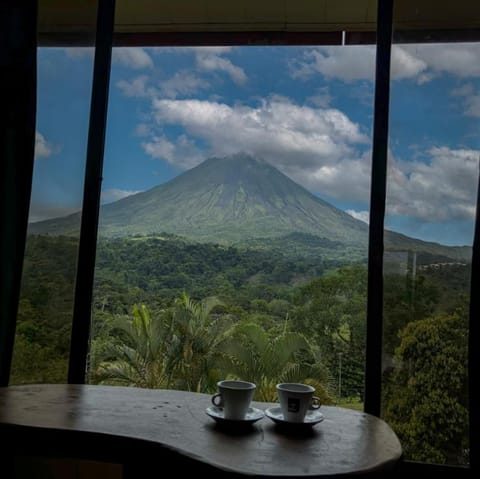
49, 468
18, 71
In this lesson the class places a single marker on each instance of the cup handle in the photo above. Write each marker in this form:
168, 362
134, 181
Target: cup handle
214, 400
315, 403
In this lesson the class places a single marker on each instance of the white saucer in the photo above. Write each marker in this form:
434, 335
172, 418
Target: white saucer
313, 416
253, 414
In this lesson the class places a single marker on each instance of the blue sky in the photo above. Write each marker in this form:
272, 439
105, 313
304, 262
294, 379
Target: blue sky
306, 110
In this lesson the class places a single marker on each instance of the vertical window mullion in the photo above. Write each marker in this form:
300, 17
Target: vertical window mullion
373, 369
473, 346
91, 194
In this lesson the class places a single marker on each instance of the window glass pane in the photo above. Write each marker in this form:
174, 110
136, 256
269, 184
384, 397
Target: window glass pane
45, 312
241, 174
432, 183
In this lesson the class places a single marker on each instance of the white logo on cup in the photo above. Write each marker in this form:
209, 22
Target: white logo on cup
295, 400
234, 397
293, 405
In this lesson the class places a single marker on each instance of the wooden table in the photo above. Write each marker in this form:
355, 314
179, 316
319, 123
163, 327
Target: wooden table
144, 428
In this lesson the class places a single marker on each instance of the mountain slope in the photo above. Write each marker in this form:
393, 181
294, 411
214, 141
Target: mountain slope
222, 199
232, 199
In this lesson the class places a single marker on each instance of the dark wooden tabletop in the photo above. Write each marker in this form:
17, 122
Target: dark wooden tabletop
174, 423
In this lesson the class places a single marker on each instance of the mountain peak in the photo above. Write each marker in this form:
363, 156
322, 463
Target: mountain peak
225, 199
231, 199
240, 157
239, 167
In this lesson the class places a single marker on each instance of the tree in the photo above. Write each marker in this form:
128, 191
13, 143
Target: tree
178, 347
33, 363
426, 398
138, 356
194, 348
267, 358
332, 309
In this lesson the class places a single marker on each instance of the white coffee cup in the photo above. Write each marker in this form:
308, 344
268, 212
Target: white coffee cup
295, 400
234, 397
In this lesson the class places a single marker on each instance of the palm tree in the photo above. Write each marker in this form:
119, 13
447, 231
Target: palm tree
194, 349
178, 348
253, 354
138, 357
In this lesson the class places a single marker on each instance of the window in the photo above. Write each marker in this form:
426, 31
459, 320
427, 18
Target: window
432, 181
215, 186
426, 294
46, 304
432, 187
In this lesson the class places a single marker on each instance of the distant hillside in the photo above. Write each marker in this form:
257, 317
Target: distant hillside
237, 199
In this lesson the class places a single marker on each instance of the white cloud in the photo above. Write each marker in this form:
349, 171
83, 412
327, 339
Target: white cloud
210, 60
440, 189
217, 50
347, 178
182, 153
362, 92
161, 148
347, 63
463, 90
43, 148
132, 57
322, 98
183, 83
355, 62
115, 194
79, 52
472, 106
320, 149
405, 64
360, 215
312, 145
420, 63
469, 99
136, 87
143, 129
211, 50
460, 60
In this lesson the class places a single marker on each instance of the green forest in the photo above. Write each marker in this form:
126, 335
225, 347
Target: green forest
172, 313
